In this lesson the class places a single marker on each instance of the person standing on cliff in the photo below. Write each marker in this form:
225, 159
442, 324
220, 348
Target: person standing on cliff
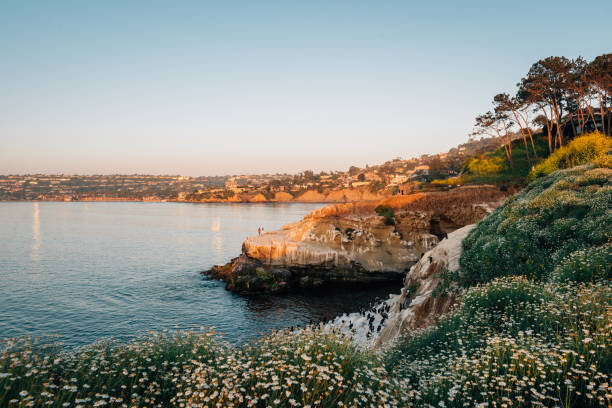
259, 231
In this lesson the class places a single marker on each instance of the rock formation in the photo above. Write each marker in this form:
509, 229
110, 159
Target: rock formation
352, 243
344, 195
418, 305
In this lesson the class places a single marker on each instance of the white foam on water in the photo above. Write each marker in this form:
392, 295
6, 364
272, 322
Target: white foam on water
363, 326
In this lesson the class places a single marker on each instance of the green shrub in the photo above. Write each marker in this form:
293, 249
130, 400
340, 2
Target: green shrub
306, 368
494, 167
513, 342
585, 265
386, 212
581, 150
507, 305
533, 232
485, 165
147, 371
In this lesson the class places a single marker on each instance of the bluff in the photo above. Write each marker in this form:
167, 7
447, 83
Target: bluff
352, 243
418, 305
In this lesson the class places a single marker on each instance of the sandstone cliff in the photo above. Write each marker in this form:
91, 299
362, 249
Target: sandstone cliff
345, 195
351, 243
418, 305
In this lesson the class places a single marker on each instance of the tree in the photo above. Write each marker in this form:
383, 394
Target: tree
435, 166
274, 184
599, 73
504, 104
547, 85
496, 125
581, 92
353, 170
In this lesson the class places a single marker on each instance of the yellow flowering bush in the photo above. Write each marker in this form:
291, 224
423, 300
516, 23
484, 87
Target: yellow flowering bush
485, 165
581, 150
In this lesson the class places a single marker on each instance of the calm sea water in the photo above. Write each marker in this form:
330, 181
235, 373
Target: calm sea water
85, 271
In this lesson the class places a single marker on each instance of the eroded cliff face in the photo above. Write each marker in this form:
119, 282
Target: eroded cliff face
420, 302
419, 305
344, 195
351, 243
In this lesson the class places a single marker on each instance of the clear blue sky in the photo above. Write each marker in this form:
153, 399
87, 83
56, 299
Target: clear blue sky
207, 88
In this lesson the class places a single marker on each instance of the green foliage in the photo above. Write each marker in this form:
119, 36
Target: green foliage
376, 187
387, 212
485, 165
494, 167
446, 286
481, 307
513, 341
530, 234
581, 150
585, 265
262, 274
541, 338
146, 370
309, 368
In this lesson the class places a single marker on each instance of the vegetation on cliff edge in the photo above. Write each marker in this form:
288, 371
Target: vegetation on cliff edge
534, 326
552, 220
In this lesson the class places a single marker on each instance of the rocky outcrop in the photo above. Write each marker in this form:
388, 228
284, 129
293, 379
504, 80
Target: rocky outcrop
352, 243
420, 303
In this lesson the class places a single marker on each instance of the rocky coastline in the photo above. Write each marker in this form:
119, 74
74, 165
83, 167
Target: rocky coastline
344, 244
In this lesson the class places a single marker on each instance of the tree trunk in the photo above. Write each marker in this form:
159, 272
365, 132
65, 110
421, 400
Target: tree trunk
591, 114
580, 117
522, 134
525, 119
601, 112
509, 144
557, 116
548, 129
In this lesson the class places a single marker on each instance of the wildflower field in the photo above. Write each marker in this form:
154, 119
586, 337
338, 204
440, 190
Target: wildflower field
513, 343
309, 368
532, 328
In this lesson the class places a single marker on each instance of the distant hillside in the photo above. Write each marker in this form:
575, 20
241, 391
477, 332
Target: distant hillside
369, 183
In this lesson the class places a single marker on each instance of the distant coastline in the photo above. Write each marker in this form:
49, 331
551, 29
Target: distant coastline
208, 201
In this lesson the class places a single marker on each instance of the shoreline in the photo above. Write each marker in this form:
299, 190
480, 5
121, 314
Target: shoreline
181, 202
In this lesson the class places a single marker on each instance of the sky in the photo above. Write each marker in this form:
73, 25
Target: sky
234, 87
